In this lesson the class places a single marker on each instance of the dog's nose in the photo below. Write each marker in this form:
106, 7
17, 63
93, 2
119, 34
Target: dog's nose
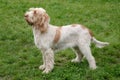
25, 15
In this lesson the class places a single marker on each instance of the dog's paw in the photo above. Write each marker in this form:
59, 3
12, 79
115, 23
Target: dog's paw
42, 67
75, 60
93, 67
46, 71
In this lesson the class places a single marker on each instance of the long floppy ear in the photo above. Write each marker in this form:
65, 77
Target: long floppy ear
44, 19
44, 22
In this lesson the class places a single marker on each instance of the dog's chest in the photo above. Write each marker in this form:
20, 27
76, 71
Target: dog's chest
41, 40
37, 38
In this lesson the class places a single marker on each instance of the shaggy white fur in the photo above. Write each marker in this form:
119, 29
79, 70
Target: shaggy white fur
49, 39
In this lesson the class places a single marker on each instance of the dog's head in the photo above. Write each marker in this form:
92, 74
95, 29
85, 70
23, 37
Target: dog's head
37, 17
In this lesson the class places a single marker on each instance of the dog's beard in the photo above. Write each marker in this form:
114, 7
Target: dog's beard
30, 23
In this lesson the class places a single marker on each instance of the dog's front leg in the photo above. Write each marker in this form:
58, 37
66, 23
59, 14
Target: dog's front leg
49, 60
42, 67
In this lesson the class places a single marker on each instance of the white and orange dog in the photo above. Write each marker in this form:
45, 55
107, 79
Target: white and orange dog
49, 39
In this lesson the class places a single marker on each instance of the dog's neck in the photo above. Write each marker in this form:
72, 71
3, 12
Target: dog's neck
41, 28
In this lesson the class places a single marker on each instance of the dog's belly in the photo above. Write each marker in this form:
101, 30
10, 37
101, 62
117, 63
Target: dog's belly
61, 46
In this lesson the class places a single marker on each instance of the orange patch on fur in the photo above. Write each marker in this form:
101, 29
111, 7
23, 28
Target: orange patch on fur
42, 22
84, 27
57, 35
90, 32
43, 28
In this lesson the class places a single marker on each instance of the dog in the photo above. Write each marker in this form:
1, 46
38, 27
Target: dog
50, 39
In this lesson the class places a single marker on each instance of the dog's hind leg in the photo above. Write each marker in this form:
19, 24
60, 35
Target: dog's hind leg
78, 53
85, 50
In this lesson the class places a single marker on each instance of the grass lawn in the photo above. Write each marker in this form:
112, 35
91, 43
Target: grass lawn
20, 59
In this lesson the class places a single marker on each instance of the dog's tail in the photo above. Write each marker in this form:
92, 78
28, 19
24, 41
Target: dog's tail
99, 44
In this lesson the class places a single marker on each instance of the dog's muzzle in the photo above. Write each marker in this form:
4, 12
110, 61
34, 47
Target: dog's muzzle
27, 20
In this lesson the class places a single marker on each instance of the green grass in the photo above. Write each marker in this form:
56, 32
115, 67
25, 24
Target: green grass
19, 57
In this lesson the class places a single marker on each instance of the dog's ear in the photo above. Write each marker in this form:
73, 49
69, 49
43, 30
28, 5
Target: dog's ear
46, 18
43, 22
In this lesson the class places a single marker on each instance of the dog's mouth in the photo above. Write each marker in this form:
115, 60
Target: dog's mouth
30, 23
27, 20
